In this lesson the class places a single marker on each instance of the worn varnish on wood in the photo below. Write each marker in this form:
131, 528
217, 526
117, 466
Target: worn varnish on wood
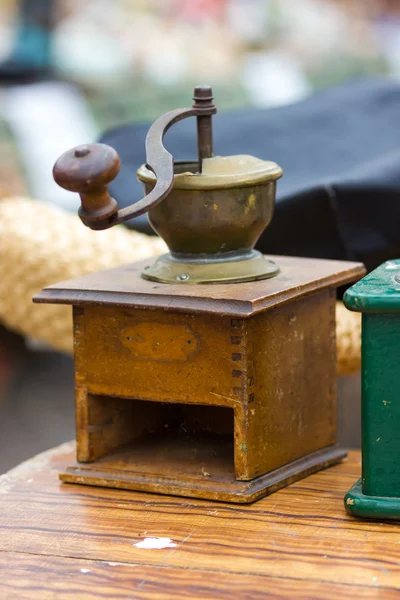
225, 392
66, 541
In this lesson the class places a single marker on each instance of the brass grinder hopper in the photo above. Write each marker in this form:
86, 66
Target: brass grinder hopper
210, 212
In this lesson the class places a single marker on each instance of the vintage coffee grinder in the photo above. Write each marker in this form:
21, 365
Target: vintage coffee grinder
212, 372
377, 494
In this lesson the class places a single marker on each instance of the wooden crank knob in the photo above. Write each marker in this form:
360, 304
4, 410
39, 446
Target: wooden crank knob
88, 170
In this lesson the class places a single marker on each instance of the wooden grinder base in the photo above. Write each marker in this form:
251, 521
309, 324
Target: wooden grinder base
124, 471
223, 392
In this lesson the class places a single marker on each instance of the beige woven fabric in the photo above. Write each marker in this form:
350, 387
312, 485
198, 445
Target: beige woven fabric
41, 245
348, 336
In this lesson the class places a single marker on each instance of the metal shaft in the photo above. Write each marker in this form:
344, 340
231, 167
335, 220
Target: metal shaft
203, 99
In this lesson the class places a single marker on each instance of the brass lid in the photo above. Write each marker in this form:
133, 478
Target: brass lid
221, 172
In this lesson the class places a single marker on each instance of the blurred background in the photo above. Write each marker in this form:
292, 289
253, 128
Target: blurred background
71, 69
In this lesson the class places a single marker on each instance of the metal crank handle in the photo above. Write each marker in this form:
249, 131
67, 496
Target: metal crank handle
89, 169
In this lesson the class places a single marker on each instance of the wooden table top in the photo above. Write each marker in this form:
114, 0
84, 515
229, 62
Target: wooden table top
69, 541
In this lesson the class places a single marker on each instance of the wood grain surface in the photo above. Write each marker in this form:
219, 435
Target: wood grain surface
62, 541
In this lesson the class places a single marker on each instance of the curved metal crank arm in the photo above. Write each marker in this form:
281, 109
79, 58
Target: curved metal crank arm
89, 169
160, 161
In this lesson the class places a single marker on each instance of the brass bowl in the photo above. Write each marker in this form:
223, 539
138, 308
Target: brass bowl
207, 215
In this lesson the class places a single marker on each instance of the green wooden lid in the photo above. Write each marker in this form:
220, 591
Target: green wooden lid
377, 292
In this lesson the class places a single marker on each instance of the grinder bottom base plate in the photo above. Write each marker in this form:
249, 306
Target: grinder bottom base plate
138, 469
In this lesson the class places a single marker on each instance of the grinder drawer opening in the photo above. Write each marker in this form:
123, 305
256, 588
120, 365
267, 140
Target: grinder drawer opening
160, 439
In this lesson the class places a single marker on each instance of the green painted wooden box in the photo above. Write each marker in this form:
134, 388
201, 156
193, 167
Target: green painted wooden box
377, 297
